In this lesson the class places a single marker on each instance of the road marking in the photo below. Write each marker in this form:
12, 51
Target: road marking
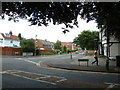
3, 72
27, 60
38, 77
36, 63
61, 80
39, 64
111, 85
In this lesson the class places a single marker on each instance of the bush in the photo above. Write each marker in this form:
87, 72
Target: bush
48, 54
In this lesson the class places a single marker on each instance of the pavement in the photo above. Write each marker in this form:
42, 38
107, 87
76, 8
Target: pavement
73, 64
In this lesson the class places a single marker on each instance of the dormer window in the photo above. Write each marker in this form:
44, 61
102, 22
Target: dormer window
7, 35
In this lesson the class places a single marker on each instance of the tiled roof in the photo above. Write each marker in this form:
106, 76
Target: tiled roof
12, 37
44, 42
65, 43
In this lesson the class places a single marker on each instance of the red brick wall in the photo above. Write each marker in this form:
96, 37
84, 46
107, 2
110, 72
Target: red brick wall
39, 44
10, 51
44, 51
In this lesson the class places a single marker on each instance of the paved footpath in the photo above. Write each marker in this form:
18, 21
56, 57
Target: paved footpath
74, 65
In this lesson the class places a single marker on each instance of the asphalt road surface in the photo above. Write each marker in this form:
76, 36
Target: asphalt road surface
32, 72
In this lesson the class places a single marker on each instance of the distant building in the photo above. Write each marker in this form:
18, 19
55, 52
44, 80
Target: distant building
70, 45
10, 44
114, 45
44, 46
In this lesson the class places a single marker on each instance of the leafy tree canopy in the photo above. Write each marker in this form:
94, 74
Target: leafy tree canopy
57, 45
106, 14
27, 45
64, 49
87, 39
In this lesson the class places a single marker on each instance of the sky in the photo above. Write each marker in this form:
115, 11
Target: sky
51, 33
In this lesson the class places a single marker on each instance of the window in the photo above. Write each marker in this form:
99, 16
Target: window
70, 44
1, 40
7, 35
11, 41
15, 45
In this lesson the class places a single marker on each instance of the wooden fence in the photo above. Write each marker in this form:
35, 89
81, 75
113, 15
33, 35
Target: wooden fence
10, 51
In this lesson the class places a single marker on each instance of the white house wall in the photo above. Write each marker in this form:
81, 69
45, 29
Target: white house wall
114, 50
105, 49
1, 41
7, 43
119, 49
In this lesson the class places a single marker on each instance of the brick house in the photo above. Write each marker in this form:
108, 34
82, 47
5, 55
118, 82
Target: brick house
69, 45
44, 46
9, 44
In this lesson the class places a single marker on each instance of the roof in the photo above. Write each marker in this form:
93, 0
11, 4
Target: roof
65, 43
44, 42
12, 37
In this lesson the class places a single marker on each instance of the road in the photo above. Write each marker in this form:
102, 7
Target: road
32, 72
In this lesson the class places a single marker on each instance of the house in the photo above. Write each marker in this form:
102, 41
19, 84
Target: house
44, 46
69, 45
9, 44
114, 45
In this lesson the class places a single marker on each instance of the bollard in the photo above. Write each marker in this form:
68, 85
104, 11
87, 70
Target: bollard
70, 56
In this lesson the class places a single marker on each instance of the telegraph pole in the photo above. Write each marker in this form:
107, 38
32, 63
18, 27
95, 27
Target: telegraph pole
107, 51
35, 43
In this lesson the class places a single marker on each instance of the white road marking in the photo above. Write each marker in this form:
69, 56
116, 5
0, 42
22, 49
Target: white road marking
34, 79
39, 64
28, 60
61, 80
42, 76
3, 72
111, 85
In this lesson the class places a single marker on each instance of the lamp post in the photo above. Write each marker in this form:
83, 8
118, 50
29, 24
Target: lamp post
35, 43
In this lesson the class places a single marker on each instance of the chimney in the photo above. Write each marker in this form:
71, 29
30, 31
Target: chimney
10, 33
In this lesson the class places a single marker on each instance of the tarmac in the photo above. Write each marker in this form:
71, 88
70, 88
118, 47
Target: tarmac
73, 64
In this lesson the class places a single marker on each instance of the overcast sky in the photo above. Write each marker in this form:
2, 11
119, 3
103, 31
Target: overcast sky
51, 33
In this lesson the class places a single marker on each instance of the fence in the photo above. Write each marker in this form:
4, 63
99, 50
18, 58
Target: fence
10, 51
27, 54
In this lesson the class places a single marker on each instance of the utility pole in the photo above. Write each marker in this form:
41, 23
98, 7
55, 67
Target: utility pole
35, 43
107, 51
